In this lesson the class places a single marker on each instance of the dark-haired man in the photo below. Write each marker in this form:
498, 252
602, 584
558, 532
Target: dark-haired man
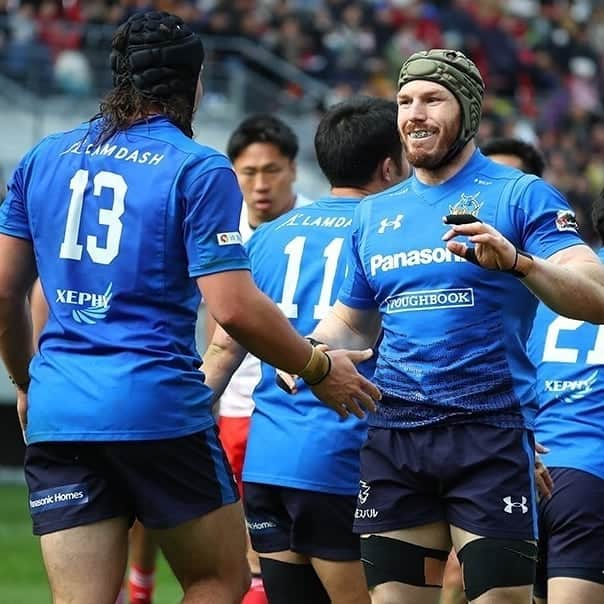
515, 153
131, 221
263, 150
449, 456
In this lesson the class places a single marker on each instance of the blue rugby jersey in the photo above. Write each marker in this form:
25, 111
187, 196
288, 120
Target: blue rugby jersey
297, 441
569, 356
120, 231
454, 345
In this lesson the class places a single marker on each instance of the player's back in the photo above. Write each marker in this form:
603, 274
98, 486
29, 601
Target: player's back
112, 227
298, 260
569, 357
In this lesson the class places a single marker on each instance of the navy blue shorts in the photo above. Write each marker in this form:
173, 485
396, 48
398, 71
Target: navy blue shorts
163, 483
571, 529
318, 525
477, 477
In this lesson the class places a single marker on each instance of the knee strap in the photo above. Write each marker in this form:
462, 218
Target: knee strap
489, 563
386, 559
286, 583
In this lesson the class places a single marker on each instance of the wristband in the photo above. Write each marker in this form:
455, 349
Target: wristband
515, 268
317, 368
327, 370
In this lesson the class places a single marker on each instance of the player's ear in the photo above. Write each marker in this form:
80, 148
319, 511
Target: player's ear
386, 167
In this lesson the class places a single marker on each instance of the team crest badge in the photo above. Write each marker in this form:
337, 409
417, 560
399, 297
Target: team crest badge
566, 221
467, 204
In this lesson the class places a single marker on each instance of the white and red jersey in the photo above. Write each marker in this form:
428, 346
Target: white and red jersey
236, 401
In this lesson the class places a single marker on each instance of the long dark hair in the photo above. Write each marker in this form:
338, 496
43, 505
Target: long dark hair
124, 105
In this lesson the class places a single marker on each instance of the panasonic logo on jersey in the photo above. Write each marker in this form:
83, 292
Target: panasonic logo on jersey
390, 262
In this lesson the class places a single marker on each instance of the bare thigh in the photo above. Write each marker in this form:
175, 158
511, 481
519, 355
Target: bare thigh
86, 563
344, 581
209, 554
565, 590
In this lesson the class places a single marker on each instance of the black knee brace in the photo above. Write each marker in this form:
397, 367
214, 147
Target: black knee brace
386, 559
286, 583
489, 563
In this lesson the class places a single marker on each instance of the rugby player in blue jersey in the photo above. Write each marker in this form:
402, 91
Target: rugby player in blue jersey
451, 264
569, 356
301, 469
526, 157
128, 221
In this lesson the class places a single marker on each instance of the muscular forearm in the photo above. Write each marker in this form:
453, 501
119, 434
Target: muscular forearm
265, 332
575, 290
16, 346
340, 330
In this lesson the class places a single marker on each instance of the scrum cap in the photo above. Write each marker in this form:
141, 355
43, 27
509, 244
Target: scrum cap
452, 69
158, 53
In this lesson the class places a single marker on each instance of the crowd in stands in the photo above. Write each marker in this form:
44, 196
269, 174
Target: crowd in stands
542, 59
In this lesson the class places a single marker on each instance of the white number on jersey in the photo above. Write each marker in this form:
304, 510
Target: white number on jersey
294, 250
70, 248
552, 353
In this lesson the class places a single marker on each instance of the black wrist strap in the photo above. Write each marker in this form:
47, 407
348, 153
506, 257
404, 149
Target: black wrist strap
513, 271
314, 342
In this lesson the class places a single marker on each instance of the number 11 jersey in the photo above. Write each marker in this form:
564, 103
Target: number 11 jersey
297, 441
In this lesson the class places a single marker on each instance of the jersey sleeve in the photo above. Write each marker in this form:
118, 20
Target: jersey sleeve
13, 211
545, 220
211, 224
355, 290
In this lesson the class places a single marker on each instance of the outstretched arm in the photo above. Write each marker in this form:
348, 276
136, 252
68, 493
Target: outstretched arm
347, 327
570, 282
249, 317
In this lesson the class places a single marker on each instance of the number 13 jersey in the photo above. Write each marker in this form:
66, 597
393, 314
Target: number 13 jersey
120, 231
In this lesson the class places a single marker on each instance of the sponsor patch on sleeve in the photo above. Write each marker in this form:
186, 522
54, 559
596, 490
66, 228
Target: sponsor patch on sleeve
566, 221
232, 238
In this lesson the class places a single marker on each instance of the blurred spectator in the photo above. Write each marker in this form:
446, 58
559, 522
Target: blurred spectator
543, 59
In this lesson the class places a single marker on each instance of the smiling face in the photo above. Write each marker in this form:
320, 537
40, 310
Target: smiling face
429, 120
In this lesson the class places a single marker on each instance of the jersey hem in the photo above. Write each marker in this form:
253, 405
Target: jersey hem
14, 233
116, 436
298, 484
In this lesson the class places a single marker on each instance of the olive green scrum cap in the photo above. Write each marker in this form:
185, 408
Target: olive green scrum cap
452, 69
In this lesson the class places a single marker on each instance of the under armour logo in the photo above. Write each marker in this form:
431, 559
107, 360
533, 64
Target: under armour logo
394, 224
363, 492
510, 505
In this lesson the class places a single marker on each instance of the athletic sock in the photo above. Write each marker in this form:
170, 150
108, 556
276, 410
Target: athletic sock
140, 585
256, 593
